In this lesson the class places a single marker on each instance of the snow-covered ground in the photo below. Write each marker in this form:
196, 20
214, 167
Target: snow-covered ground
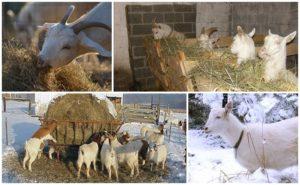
211, 160
20, 126
176, 148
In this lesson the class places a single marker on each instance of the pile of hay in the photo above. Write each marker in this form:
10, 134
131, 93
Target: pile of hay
218, 69
78, 108
20, 73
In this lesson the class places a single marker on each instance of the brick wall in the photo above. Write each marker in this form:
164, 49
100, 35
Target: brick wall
181, 17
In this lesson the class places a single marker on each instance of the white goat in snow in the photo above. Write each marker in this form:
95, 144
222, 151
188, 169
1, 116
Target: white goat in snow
33, 148
60, 43
273, 53
109, 158
158, 154
128, 154
243, 45
154, 137
204, 39
146, 128
87, 154
273, 147
161, 31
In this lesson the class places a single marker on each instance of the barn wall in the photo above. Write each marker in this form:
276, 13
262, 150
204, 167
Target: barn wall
281, 18
214, 15
181, 17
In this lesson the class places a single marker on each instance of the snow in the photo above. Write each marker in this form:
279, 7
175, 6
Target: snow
212, 164
20, 126
176, 145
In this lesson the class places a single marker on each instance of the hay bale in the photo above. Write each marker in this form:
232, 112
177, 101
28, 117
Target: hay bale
20, 73
71, 111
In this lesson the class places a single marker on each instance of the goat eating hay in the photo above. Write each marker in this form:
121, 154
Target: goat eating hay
20, 73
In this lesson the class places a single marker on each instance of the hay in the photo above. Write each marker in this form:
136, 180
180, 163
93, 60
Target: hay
76, 109
218, 69
20, 73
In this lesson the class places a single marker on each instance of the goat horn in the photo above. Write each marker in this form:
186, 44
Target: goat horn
209, 31
67, 15
84, 25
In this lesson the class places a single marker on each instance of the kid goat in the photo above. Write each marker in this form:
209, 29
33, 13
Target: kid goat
161, 31
243, 45
273, 53
275, 148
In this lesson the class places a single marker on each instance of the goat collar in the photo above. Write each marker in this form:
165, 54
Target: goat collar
237, 144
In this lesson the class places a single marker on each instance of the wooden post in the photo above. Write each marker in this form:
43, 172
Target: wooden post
6, 131
29, 108
4, 104
170, 132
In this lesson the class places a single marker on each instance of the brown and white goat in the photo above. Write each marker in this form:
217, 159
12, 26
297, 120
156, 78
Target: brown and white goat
34, 146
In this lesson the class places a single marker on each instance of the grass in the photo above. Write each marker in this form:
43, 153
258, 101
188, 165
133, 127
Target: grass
218, 70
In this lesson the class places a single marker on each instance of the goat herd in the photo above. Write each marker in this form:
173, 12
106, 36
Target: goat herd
114, 149
273, 52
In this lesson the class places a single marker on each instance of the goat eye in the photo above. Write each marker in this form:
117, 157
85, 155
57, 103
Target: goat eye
218, 117
66, 47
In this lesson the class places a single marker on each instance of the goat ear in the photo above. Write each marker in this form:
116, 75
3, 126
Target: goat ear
240, 31
270, 33
290, 37
228, 108
86, 42
251, 34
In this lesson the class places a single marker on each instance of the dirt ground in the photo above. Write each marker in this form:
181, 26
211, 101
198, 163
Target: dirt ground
45, 170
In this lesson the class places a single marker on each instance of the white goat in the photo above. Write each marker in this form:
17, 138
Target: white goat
161, 31
87, 154
204, 39
60, 43
154, 137
146, 128
273, 53
158, 154
273, 147
33, 148
128, 154
109, 158
243, 45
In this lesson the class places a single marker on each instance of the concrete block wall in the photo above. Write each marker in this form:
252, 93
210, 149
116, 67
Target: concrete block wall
280, 17
181, 17
214, 15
